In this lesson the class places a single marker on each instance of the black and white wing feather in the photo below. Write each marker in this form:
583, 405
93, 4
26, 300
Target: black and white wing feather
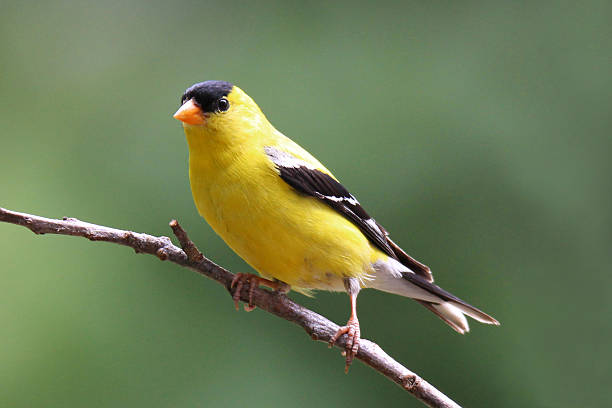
308, 180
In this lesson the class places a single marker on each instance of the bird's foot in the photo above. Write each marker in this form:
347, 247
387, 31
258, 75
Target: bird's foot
353, 334
241, 279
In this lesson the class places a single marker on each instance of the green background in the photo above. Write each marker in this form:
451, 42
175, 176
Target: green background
478, 133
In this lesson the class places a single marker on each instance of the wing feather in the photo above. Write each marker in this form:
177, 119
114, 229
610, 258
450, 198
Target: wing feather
307, 179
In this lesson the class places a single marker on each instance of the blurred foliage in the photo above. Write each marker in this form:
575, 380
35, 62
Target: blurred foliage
478, 133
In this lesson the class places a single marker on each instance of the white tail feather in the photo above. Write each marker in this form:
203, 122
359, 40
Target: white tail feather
475, 314
453, 316
391, 276
388, 278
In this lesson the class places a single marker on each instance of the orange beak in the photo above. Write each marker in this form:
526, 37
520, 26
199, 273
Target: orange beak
190, 113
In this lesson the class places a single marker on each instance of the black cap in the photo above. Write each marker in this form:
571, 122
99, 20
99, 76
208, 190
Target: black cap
207, 94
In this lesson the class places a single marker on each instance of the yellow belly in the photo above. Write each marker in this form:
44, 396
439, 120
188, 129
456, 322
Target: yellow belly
279, 232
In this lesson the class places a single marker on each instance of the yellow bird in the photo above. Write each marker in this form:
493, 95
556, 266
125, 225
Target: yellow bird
287, 216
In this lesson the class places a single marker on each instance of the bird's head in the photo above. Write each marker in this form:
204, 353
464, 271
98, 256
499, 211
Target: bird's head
218, 109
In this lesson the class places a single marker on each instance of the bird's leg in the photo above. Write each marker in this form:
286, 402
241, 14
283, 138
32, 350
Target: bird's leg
240, 279
352, 330
282, 287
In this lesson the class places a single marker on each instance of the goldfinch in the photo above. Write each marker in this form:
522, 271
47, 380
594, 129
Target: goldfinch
289, 218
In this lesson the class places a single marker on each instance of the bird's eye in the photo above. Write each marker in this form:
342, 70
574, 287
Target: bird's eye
223, 105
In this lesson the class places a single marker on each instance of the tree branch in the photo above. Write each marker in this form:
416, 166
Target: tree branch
317, 326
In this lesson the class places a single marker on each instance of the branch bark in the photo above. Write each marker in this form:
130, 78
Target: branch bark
318, 327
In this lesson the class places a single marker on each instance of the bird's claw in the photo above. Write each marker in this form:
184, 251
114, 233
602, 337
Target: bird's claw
353, 334
240, 279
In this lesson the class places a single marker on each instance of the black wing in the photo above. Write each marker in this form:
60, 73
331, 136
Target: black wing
310, 181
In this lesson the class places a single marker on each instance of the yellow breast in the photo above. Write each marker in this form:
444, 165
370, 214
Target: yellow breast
279, 232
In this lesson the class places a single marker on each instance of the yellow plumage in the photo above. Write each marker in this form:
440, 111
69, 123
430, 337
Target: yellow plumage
286, 215
279, 232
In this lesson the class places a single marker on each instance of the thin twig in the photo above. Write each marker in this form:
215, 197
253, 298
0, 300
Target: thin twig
318, 327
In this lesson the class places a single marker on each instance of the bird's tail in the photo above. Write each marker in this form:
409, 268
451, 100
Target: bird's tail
445, 305
451, 309
454, 316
